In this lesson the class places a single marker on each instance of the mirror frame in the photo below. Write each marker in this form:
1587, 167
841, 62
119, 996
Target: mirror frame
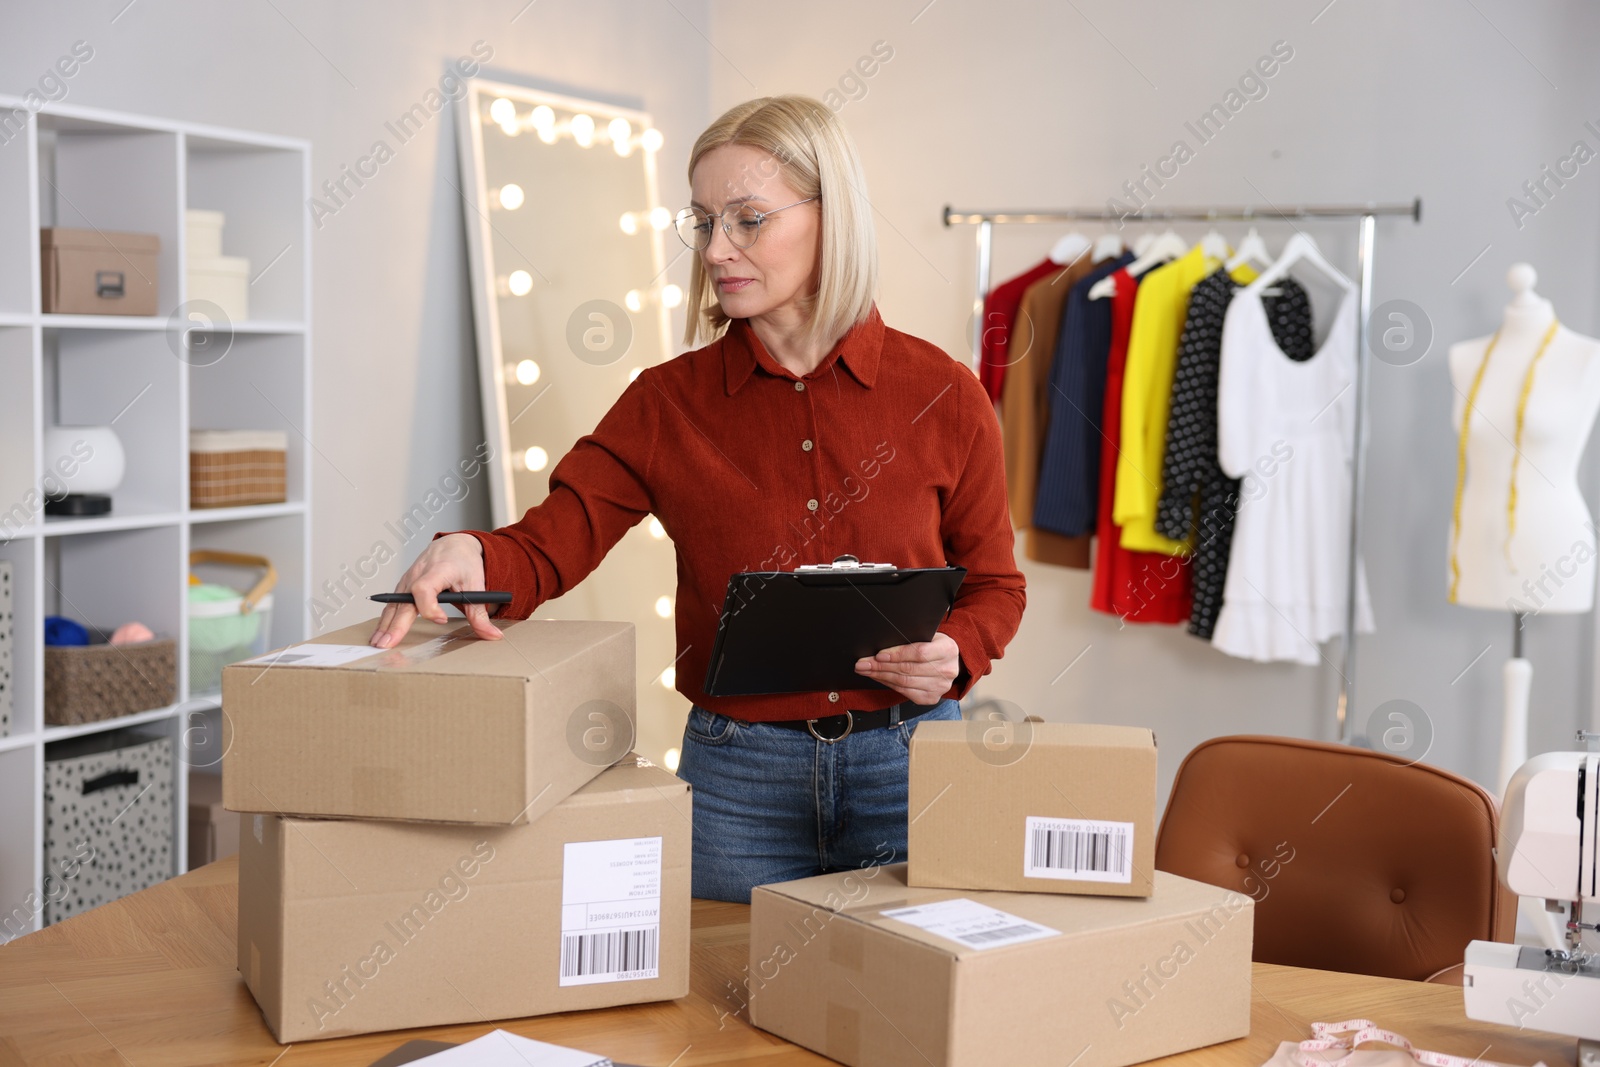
484, 275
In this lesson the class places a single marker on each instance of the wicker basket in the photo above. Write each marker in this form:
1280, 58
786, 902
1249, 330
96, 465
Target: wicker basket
232, 468
89, 683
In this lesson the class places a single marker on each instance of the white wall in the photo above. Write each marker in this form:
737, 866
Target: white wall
1040, 104
993, 105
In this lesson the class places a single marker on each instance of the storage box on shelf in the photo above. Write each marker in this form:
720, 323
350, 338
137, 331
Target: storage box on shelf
91, 272
231, 468
108, 801
92, 683
66, 168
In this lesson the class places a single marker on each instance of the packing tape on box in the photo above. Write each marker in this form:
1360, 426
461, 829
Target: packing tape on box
843, 1032
844, 944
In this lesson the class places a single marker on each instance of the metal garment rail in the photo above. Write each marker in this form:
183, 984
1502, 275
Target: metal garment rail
1366, 216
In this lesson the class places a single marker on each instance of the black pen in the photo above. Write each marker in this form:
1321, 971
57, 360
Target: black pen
447, 597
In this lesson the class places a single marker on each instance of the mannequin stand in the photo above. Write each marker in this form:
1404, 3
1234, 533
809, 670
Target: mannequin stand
1518, 680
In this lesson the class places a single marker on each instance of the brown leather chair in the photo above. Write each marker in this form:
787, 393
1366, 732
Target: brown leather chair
1358, 861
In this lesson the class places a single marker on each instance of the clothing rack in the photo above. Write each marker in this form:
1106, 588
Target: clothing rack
1366, 216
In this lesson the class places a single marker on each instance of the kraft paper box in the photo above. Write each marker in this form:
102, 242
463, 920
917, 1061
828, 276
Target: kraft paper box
1040, 807
867, 970
443, 727
349, 926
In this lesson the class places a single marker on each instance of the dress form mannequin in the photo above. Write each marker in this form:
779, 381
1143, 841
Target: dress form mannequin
1538, 555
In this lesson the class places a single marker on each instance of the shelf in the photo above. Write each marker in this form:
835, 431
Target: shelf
61, 733
16, 318
255, 511
15, 740
103, 322
134, 519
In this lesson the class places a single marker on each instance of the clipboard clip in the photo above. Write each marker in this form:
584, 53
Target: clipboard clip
846, 564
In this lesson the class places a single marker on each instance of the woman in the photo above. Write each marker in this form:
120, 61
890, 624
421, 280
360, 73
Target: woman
806, 431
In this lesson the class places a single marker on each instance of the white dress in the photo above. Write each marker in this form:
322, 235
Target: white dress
1287, 429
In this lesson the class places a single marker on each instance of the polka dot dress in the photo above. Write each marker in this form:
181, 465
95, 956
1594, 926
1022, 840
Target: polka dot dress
1196, 496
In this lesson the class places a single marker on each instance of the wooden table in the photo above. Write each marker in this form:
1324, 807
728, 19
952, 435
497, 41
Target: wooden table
150, 979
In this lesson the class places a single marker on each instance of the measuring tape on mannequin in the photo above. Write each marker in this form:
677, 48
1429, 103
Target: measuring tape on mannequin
1365, 1030
1516, 455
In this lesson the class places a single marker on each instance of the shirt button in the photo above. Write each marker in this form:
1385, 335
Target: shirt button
833, 698
806, 444
811, 505
799, 387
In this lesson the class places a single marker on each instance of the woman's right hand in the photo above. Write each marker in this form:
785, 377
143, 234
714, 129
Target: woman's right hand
454, 561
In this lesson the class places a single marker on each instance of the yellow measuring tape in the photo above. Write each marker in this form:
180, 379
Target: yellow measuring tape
1516, 456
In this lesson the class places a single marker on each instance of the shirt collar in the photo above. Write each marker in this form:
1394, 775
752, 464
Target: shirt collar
859, 350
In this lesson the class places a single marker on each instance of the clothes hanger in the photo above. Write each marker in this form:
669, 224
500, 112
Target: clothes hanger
1168, 246
1252, 250
1069, 249
1107, 246
1214, 245
1301, 248
1142, 244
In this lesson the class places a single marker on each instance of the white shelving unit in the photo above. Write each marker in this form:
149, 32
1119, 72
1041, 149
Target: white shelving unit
84, 167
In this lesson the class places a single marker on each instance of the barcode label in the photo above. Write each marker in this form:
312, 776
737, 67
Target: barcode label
1005, 933
617, 956
969, 923
610, 910
1078, 849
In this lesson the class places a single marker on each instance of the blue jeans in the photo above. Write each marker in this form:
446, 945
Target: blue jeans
773, 804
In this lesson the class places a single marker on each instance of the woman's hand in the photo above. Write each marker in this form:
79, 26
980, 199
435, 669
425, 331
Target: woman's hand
922, 672
451, 562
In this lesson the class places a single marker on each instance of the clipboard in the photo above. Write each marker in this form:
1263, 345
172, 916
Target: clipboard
802, 631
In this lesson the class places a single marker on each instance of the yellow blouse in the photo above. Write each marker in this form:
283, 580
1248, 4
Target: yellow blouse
1158, 317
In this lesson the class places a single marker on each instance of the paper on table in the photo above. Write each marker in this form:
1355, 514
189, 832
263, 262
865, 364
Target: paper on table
500, 1048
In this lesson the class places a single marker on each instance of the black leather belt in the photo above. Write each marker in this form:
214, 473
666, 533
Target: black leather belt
832, 728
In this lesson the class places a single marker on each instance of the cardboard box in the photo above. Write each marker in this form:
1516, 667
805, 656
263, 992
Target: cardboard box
348, 926
1033, 978
1040, 807
93, 272
213, 830
443, 727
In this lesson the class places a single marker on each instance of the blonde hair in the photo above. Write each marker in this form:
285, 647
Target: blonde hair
816, 158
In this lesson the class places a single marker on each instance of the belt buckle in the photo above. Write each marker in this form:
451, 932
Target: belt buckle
849, 724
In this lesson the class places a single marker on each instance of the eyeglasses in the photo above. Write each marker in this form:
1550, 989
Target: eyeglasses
694, 227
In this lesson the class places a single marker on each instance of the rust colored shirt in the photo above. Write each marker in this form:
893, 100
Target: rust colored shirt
888, 451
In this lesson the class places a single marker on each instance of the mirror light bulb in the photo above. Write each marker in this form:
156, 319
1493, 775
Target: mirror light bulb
634, 300
658, 531
629, 223
520, 283
670, 760
536, 458
660, 218
633, 375
650, 140
664, 606
669, 678
543, 117
671, 295
583, 130
619, 129
511, 196
503, 111
527, 372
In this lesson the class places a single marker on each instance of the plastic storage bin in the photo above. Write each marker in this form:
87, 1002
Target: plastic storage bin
225, 625
107, 818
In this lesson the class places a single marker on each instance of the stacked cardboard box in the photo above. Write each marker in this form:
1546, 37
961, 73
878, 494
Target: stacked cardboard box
1029, 925
451, 830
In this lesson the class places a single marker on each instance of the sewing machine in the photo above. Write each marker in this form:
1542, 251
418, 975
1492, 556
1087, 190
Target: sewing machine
1549, 848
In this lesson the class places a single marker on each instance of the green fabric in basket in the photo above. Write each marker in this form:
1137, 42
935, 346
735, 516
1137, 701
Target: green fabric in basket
224, 632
